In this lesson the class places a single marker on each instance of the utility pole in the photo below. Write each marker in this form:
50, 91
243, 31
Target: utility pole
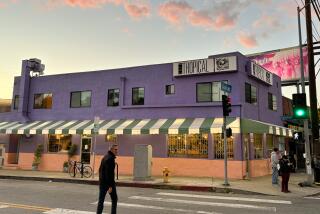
305, 121
312, 81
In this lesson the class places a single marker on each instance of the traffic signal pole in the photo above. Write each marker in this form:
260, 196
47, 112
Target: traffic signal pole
226, 183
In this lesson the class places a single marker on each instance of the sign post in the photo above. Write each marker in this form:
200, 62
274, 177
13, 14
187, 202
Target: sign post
95, 131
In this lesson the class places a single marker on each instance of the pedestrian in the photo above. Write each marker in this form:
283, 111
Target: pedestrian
285, 168
106, 180
275, 156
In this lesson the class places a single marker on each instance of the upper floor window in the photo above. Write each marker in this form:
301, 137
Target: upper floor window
16, 102
137, 96
251, 94
272, 102
42, 101
113, 97
170, 89
210, 91
80, 99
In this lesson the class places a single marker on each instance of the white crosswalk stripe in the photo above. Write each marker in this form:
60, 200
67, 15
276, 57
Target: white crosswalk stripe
315, 198
141, 206
226, 198
205, 203
67, 211
3, 206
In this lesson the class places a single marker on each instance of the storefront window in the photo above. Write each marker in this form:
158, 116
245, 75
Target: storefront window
219, 147
188, 145
269, 144
111, 138
258, 146
59, 143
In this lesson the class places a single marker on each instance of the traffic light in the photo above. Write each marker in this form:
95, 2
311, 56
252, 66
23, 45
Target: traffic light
226, 105
300, 110
229, 132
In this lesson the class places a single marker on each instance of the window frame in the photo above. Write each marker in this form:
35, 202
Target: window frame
81, 105
16, 101
113, 103
42, 95
132, 96
170, 87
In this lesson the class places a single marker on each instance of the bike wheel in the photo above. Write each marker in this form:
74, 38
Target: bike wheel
72, 171
87, 171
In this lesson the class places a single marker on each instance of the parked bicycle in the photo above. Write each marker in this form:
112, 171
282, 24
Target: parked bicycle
79, 168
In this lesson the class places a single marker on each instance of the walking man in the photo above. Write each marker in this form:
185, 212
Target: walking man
106, 180
275, 156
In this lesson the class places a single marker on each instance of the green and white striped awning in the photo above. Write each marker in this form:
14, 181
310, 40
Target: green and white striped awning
254, 126
123, 126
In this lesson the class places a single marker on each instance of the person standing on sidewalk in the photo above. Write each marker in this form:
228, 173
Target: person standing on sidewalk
106, 180
275, 156
285, 168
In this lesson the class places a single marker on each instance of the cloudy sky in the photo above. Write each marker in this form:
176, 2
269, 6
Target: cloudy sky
82, 35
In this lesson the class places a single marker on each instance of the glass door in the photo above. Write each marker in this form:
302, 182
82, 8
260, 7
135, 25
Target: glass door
86, 149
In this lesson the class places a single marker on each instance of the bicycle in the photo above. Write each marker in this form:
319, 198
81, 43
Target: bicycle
79, 168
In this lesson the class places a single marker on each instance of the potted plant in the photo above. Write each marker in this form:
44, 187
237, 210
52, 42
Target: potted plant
37, 157
65, 166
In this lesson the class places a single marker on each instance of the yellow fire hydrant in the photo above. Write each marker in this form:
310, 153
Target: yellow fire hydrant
165, 175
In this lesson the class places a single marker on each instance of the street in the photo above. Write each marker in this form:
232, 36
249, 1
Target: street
24, 197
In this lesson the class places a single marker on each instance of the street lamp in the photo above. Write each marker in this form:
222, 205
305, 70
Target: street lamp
305, 121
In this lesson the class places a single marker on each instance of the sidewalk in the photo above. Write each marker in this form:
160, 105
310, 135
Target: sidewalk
258, 186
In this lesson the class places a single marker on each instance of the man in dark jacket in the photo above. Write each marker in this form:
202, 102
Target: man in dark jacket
285, 168
106, 180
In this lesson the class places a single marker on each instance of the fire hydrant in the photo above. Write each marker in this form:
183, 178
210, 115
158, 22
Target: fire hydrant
165, 175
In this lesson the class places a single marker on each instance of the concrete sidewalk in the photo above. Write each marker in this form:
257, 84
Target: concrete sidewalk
261, 185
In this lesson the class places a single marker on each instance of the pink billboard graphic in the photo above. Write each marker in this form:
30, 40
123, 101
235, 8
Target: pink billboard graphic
283, 62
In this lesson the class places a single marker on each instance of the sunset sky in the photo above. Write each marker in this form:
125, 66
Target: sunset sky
84, 35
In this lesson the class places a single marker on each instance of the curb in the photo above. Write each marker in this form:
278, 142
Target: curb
139, 185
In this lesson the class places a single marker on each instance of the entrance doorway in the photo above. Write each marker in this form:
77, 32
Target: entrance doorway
13, 151
86, 143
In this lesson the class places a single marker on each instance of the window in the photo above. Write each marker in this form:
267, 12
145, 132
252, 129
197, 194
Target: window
80, 99
251, 94
111, 138
210, 92
42, 101
258, 146
137, 96
113, 97
272, 102
219, 147
59, 143
188, 145
16, 102
170, 89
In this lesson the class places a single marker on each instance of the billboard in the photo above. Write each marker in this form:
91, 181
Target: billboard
283, 62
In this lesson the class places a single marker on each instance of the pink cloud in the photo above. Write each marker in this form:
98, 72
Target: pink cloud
247, 40
223, 16
174, 12
137, 11
267, 21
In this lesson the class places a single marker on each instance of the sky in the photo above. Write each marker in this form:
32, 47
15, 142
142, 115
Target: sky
86, 35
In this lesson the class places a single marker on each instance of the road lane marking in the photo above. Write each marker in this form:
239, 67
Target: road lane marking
3, 206
227, 198
214, 204
316, 198
27, 207
67, 211
157, 208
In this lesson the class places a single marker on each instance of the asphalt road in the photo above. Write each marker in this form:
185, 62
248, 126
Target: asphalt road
24, 197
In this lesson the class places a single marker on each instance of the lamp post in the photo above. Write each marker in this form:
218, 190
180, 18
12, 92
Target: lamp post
305, 121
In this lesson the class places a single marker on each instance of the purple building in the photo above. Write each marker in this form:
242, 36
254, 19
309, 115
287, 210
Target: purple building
174, 107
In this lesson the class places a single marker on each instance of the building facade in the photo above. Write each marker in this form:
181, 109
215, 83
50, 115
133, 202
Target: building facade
174, 107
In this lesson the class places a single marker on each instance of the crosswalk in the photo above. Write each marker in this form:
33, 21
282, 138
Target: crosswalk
173, 202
